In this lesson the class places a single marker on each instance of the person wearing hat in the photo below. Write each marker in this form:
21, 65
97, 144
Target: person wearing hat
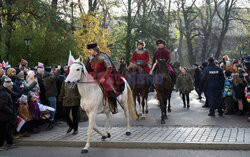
11, 73
122, 67
141, 56
101, 67
214, 79
162, 53
197, 76
7, 114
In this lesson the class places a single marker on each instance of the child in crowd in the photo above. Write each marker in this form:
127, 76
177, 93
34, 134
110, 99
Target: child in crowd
228, 93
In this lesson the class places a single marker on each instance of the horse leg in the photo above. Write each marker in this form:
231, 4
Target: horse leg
126, 113
134, 97
147, 105
169, 106
107, 134
162, 111
91, 116
143, 105
165, 108
139, 104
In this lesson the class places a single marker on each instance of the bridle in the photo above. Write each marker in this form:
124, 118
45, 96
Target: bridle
82, 74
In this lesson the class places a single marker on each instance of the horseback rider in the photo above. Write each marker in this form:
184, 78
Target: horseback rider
141, 56
100, 66
162, 53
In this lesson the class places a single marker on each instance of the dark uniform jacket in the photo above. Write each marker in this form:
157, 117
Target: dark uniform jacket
213, 77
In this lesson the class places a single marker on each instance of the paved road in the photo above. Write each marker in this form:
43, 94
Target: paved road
196, 116
106, 152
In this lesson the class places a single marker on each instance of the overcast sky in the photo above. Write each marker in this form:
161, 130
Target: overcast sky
122, 9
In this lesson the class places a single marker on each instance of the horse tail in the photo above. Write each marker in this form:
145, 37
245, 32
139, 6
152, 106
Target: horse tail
130, 101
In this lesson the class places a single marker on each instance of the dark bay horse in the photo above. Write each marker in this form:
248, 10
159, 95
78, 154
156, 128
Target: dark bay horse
163, 87
139, 82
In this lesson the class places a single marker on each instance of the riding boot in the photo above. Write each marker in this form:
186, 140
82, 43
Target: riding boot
112, 101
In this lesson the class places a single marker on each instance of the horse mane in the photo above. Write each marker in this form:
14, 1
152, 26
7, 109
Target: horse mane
163, 67
136, 68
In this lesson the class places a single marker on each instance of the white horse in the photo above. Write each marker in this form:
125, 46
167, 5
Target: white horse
93, 101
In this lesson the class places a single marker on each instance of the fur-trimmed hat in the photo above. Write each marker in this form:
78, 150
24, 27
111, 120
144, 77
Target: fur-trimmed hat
160, 41
91, 45
141, 43
7, 82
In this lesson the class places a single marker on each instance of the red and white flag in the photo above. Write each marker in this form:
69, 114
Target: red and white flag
3, 63
71, 59
20, 123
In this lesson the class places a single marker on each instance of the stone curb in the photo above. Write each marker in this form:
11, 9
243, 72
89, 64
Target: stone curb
141, 145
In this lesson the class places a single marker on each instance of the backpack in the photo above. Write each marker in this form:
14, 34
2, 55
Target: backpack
228, 87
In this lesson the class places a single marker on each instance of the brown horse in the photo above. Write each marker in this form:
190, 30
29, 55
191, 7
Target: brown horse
164, 86
139, 82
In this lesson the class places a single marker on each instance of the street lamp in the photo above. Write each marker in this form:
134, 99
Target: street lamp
27, 43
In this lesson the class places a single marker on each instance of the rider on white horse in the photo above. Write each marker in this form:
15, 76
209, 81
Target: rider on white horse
100, 66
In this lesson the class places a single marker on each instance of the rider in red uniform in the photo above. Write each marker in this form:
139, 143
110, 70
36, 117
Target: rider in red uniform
163, 53
100, 66
141, 56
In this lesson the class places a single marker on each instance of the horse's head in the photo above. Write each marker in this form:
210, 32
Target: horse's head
163, 66
76, 71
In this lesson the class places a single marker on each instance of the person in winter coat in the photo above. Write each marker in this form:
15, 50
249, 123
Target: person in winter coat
213, 82
20, 83
39, 76
35, 112
228, 93
238, 88
11, 73
197, 76
122, 67
6, 114
24, 113
70, 97
50, 77
184, 84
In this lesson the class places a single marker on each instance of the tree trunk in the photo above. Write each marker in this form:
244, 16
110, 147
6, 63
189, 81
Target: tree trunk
204, 48
180, 48
191, 57
129, 29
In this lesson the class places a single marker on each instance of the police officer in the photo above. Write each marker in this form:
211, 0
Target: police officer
213, 80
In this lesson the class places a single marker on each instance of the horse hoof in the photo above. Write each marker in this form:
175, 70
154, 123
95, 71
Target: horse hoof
84, 151
146, 111
104, 137
109, 135
163, 122
169, 110
128, 133
143, 118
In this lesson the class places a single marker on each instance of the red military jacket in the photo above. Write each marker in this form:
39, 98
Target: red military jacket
101, 66
141, 56
163, 53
